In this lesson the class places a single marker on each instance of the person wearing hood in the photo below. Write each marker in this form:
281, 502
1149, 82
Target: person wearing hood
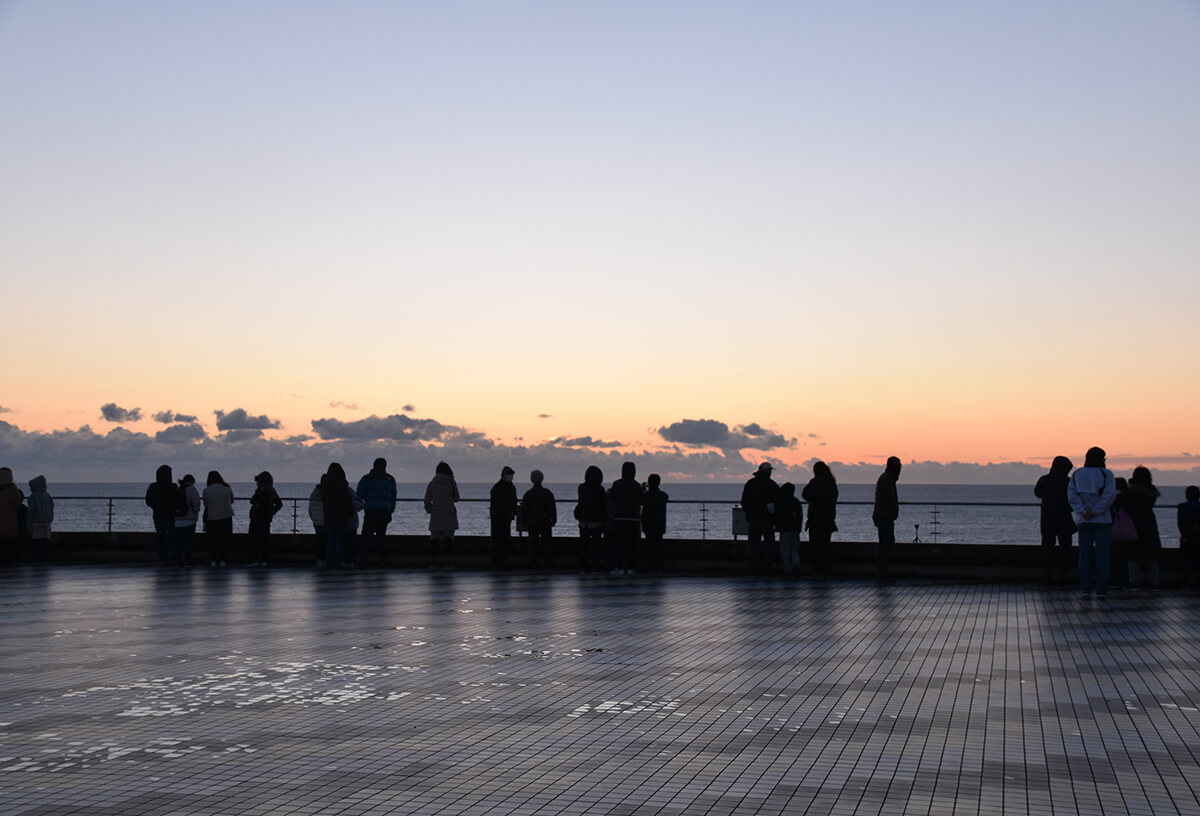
884, 515
1091, 492
378, 492
591, 511
41, 516
161, 499
264, 504
441, 496
1139, 502
538, 515
12, 503
789, 521
338, 511
1056, 523
502, 509
759, 496
187, 513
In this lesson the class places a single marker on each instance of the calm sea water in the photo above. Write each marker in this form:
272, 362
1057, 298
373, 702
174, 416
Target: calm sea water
997, 514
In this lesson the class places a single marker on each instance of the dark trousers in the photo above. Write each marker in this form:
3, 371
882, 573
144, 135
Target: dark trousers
591, 546
184, 536
1056, 558
883, 550
374, 536
821, 540
760, 547
541, 552
1189, 550
164, 530
217, 535
625, 535
653, 551
501, 542
260, 541
319, 541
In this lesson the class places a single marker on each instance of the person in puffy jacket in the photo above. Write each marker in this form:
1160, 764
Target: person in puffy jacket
538, 515
441, 496
591, 511
377, 490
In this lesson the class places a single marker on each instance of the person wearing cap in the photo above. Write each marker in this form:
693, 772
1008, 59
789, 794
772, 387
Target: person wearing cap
884, 515
759, 497
378, 491
502, 510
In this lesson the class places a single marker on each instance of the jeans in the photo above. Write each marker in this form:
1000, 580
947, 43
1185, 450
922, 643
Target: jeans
1094, 542
789, 550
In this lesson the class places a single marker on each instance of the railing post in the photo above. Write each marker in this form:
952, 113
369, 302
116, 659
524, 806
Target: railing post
110, 515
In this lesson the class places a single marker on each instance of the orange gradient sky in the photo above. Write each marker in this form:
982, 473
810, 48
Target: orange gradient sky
945, 233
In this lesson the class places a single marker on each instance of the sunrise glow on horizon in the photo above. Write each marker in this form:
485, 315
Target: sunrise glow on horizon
945, 233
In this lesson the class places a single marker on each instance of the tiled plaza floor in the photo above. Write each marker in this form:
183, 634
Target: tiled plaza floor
130, 692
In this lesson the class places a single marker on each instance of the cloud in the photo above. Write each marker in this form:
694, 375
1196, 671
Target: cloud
241, 434
299, 439
4, 410
408, 409
396, 427
111, 412
239, 420
585, 442
167, 417
349, 406
545, 416
712, 433
187, 433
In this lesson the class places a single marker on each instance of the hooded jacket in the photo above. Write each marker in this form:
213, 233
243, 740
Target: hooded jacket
41, 504
160, 496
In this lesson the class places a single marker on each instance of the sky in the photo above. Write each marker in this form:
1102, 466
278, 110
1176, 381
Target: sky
697, 234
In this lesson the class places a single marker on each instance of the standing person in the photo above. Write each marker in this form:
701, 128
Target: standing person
625, 498
1187, 518
337, 510
187, 512
591, 511
378, 492
1091, 492
218, 518
41, 516
441, 494
1139, 502
1056, 523
538, 515
654, 521
758, 502
316, 514
502, 509
264, 504
884, 515
11, 503
821, 493
789, 520
161, 499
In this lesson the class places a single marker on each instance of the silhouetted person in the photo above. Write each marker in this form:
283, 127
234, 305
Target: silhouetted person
218, 518
821, 493
1139, 502
441, 497
884, 515
538, 516
654, 521
161, 499
264, 504
316, 514
758, 502
378, 493
40, 518
789, 520
1091, 491
187, 513
1056, 522
502, 509
1123, 538
625, 500
337, 508
12, 503
591, 511
1187, 519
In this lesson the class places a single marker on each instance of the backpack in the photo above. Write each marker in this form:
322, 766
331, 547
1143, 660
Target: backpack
181, 501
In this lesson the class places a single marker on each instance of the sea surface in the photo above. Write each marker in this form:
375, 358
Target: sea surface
959, 514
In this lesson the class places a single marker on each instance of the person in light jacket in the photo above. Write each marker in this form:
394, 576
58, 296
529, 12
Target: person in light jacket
218, 518
1091, 491
186, 515
441, 495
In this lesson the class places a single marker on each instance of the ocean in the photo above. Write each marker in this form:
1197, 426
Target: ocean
958, 514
